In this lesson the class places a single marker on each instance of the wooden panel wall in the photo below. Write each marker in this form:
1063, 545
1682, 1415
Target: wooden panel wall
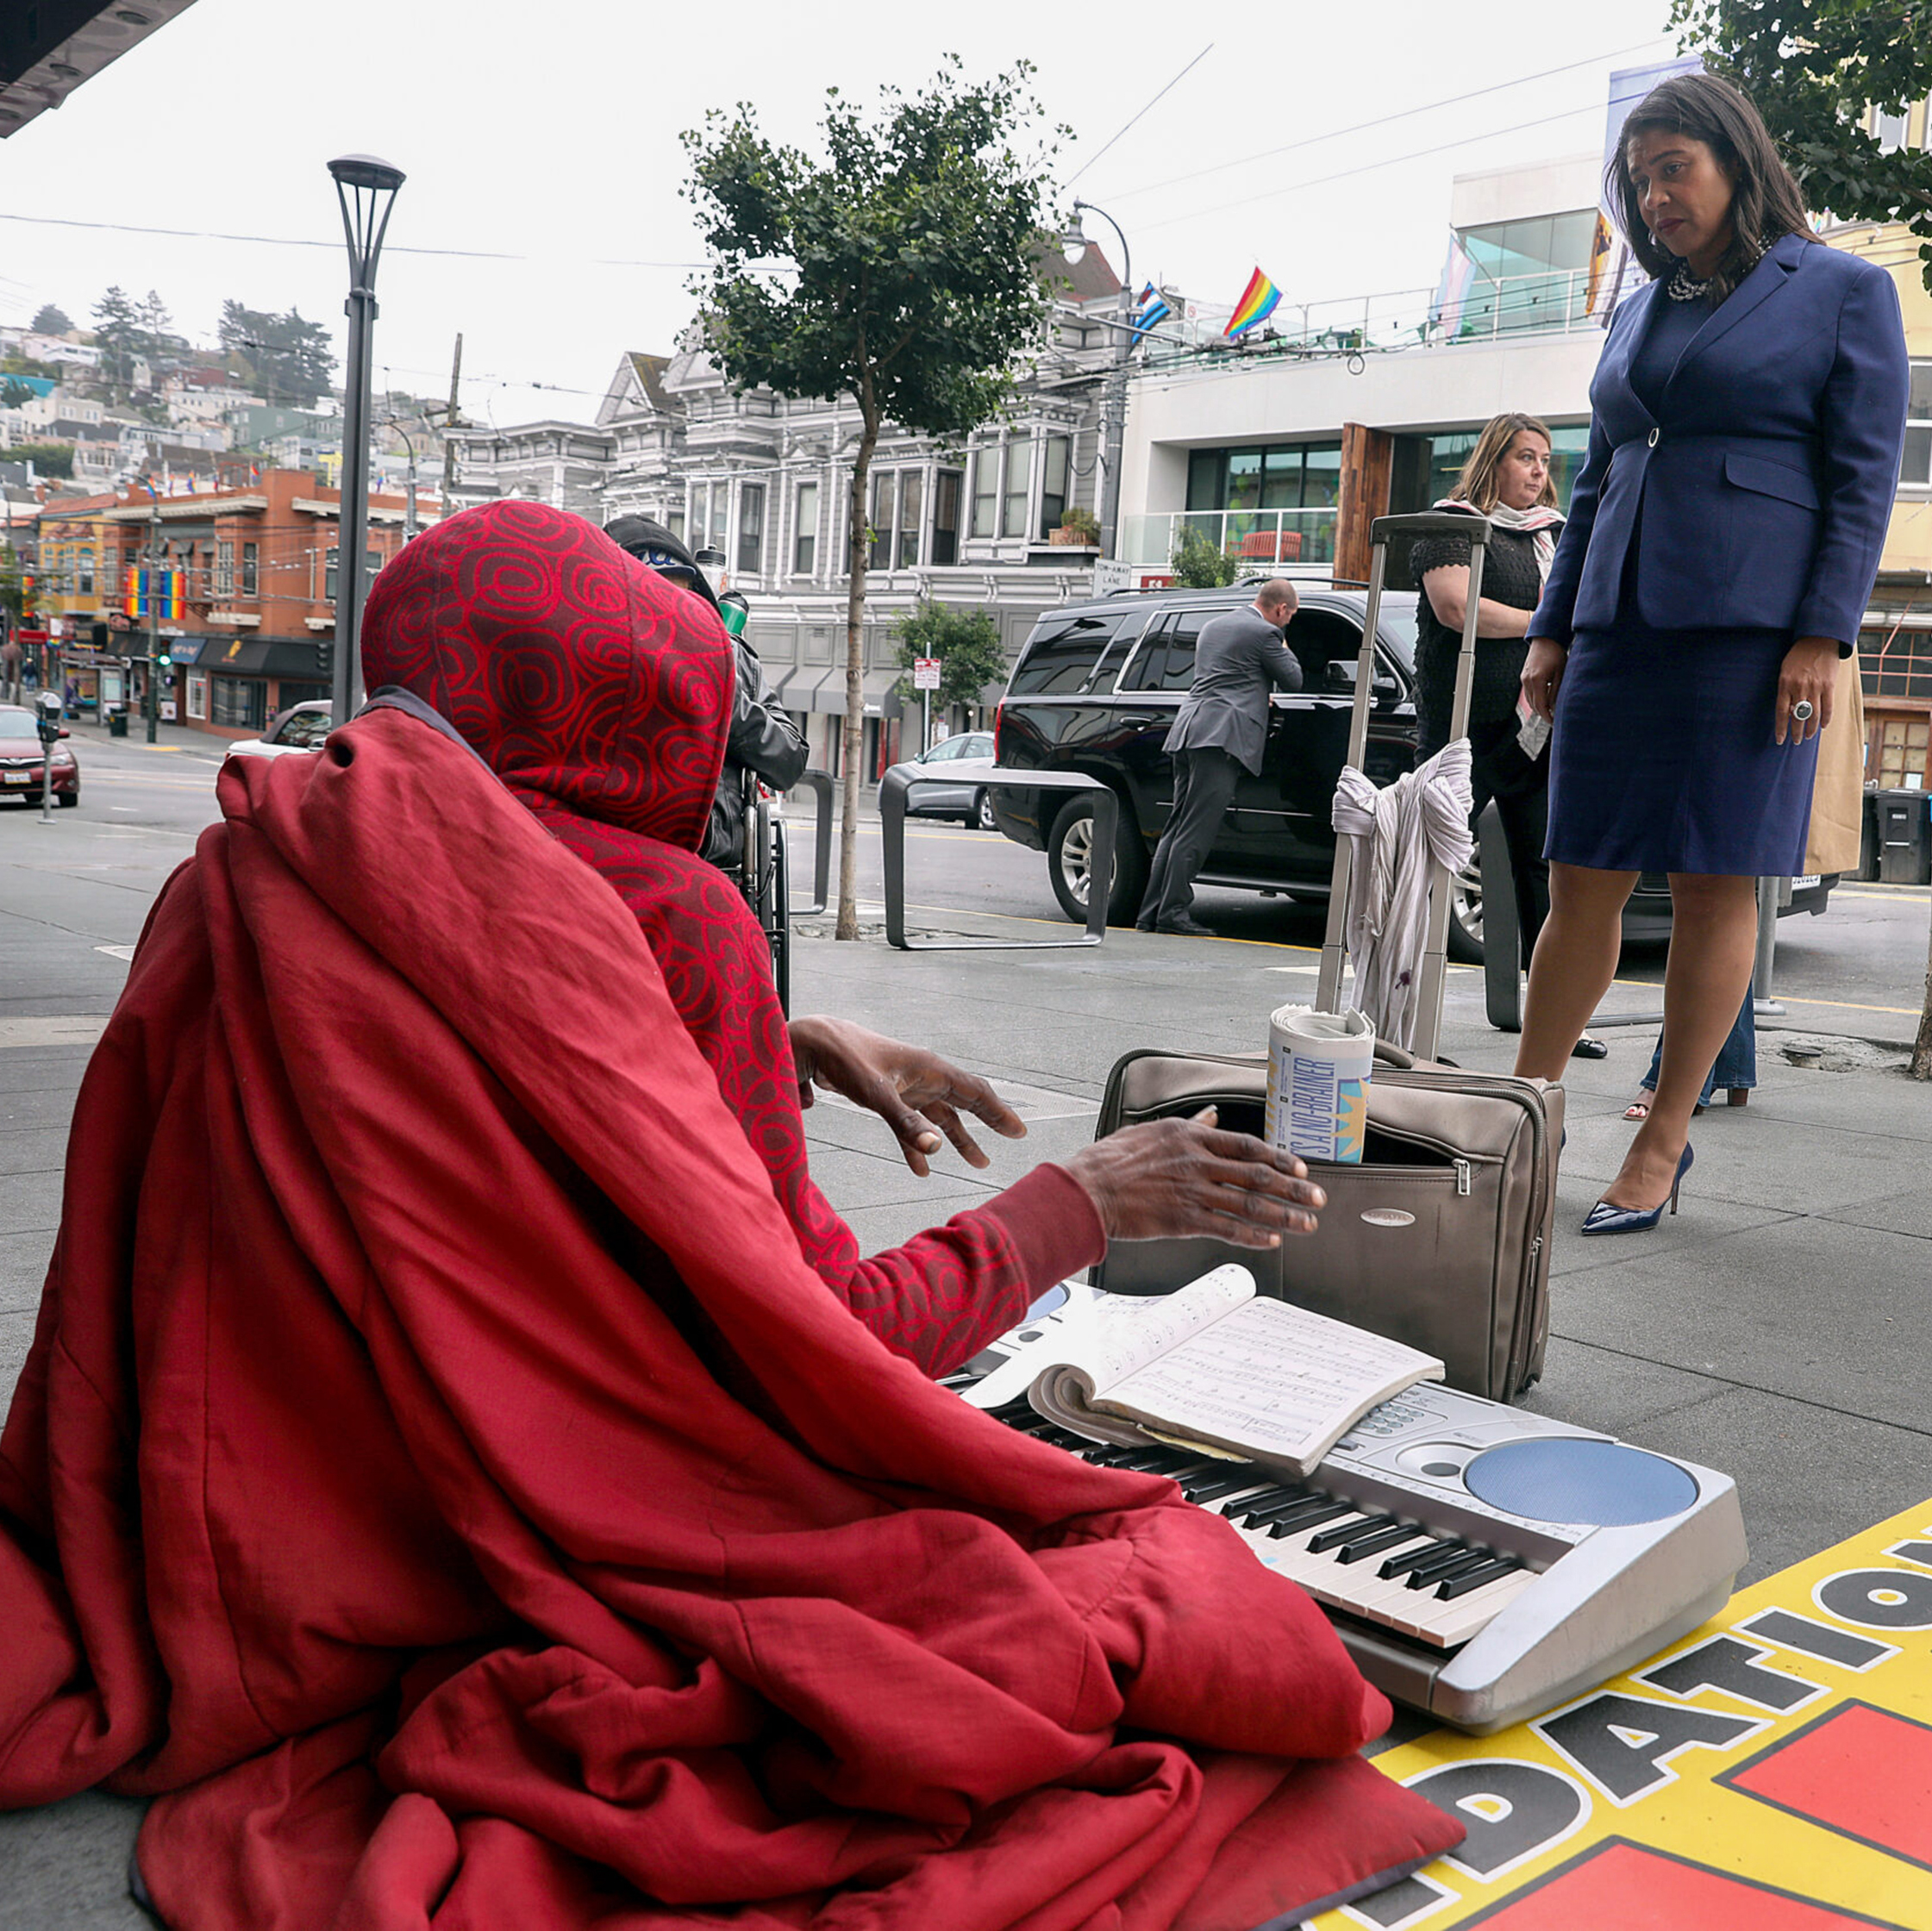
1366, 455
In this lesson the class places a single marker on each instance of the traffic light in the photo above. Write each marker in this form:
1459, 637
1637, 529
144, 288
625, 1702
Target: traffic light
325, 649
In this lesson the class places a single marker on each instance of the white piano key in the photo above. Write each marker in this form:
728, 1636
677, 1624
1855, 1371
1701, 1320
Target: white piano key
1443, 1624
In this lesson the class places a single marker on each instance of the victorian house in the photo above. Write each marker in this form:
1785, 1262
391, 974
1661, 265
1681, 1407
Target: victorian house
765, 479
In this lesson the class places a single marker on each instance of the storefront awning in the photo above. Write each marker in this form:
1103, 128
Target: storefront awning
262, 657
816, 687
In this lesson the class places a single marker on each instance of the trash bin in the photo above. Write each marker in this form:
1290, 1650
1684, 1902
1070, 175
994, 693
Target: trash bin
1868, 843
117, 721
1904, 838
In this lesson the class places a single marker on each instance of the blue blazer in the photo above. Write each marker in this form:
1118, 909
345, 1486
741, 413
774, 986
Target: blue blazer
1766, 478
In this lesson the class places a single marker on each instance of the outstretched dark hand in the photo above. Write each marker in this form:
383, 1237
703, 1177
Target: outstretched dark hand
1184, 1177
917, 1094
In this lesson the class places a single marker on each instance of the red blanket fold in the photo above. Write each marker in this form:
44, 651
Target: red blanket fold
373, 1490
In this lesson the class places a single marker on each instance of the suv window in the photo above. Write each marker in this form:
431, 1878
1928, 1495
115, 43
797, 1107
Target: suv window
1165, 660
1062, 653
1320, 638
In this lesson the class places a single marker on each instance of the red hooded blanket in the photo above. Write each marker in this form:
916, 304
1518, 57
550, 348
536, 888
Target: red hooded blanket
441, 1479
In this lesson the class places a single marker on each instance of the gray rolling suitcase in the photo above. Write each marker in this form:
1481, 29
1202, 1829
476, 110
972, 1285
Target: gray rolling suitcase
1441, 1236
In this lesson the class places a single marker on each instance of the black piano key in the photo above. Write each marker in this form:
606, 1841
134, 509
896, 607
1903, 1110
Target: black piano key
1210, 1487
1432, 1574
1258, 1511
1491, 1571
1265, 1515
1414, 1559
1359, 1548
1294, 1525
1141, 1461
1451, 1553
1346, 1531
1290, 1495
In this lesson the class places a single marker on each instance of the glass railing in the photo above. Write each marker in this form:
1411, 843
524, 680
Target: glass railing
1556, 301
1257, 539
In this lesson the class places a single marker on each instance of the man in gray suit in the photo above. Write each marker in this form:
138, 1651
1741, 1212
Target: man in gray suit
1221, 729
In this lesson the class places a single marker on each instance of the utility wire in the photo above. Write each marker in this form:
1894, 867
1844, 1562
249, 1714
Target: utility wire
1379, 122
1366, 167
298, 241
1142, 115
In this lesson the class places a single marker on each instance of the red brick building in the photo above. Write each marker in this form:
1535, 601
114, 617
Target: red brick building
257, 628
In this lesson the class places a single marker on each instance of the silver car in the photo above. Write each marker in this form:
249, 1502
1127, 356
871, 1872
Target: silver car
300, 728
954, 790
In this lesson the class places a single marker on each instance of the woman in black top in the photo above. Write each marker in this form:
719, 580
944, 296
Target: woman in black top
1506, 479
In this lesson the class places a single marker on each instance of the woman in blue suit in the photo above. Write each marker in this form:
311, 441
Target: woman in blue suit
1724, 532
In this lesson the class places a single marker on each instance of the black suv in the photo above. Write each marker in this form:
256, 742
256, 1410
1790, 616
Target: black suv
1096, 685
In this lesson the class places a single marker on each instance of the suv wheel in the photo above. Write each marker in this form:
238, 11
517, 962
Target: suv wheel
1070, 857
1466, 915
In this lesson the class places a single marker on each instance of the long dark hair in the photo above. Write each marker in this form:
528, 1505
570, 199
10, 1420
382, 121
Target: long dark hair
1765, 199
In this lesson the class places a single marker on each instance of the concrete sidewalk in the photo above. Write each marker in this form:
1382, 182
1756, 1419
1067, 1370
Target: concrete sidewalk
1775, 1328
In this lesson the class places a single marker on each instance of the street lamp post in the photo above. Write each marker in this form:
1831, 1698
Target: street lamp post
1073, 245
366, 190
409, 513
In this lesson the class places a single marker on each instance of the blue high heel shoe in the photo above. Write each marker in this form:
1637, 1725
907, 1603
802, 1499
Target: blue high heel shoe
1603, 1218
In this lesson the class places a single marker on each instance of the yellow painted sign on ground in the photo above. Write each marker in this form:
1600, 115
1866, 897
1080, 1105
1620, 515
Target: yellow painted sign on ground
1771, 1772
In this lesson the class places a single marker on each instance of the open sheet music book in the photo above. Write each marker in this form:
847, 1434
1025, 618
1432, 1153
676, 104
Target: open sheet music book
1212, 1365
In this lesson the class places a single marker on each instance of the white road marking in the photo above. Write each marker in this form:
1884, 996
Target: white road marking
80, 1030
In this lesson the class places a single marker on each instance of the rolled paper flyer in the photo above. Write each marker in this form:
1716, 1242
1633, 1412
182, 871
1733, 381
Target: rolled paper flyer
1319, 1067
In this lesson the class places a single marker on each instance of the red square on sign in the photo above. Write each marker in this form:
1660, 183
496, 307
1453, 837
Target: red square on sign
1863, 1772
1619, 1886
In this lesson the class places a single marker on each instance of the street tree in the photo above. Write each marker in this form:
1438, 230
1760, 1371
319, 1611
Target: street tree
902, 270
51, 319
1815, 69
117, 330
288, 360
965, 642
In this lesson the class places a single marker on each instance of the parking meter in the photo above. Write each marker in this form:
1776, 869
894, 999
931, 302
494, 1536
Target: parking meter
47, 721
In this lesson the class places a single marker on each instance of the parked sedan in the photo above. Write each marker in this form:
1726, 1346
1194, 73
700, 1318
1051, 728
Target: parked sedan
24, 763
954, 790
300, 728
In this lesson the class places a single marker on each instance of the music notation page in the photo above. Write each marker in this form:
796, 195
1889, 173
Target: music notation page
1273, 1378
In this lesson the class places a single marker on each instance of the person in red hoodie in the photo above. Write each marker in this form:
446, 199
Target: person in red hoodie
464, 1473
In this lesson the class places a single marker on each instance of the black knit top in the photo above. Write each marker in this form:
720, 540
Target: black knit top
1509, 576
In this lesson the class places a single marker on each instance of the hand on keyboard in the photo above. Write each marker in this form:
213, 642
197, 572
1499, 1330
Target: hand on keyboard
1170, 1177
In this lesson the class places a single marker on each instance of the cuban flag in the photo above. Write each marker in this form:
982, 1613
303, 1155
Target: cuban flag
1153, 309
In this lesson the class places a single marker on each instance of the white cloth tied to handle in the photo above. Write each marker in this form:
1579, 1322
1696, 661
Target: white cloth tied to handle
1402, 832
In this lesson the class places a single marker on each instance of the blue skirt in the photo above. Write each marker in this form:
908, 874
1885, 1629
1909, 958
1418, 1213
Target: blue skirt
1663, 758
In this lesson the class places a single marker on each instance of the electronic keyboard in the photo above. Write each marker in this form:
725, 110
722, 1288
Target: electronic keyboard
1480, 1563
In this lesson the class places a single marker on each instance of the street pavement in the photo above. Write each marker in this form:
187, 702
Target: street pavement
1775, 1328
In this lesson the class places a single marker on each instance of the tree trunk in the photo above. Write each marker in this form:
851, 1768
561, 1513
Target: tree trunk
1922, 1051
853, 730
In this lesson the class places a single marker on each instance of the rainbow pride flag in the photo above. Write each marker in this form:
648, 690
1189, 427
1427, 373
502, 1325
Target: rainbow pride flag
1257, 304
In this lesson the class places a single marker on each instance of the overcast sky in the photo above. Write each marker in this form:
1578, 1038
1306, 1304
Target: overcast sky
549, 135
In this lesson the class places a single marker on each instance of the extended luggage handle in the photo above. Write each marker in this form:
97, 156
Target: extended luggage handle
1476, 532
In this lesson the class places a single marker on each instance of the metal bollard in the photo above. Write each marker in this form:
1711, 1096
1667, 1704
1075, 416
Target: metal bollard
1762, 1004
